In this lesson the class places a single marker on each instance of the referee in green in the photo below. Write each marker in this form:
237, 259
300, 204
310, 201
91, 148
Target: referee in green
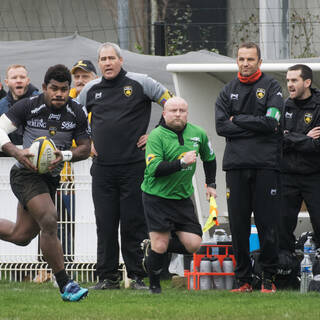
171, 153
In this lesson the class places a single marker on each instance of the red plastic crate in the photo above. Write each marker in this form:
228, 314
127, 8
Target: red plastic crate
196, 264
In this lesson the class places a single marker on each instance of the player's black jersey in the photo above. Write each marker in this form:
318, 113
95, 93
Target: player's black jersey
60, 125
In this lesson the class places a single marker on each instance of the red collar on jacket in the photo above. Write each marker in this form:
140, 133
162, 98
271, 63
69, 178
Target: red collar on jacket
250, 79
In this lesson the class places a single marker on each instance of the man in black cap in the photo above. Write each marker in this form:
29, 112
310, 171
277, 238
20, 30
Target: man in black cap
82, 72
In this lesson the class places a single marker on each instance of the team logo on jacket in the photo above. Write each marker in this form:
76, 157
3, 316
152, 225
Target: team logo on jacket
127, 91
228, 193
307, 117
52, 131
149, 158
260, 93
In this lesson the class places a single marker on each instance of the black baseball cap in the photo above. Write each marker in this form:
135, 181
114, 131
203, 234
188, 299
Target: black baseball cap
85, 65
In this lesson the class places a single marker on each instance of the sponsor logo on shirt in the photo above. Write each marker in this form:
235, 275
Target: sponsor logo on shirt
68, 125
127, 91
307, 117
98, 95
273, 192
36, 110
260, 93
37, 123
196, 141
53, 116
70, 110
288, 115
234, 96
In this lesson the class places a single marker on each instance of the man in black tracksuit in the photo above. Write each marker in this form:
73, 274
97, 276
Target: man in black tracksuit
301, 155
120, 103
247, 114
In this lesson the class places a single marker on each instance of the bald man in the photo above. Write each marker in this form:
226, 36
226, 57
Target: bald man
171, 153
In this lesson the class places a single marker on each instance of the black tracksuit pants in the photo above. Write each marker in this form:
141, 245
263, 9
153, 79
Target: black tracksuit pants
295, 189
257, 191
117, 198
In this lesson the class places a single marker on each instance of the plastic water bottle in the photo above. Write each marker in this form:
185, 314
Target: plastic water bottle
205, 280
191, 277
215, 239
307, 247
218, 281
227, 266
306, 273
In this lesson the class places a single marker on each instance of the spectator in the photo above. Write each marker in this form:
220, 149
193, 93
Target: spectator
171, 154
247, 114
36, 212
301, 158
120, 103
82, 72
19, 86
3, 92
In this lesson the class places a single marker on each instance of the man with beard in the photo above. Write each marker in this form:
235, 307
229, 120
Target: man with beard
171, 155
301, 158
19, 85
55, 115
82, 72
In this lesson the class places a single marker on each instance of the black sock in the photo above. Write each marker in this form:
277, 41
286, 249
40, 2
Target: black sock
62, 279
155, 265
176, 246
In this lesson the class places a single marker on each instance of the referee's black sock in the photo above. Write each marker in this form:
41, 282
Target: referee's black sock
155, 265
62, 279
176, 246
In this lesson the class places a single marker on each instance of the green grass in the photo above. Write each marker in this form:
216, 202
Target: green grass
41, 301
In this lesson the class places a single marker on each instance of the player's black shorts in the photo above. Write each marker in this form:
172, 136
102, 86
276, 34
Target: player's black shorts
26, 184
164, 215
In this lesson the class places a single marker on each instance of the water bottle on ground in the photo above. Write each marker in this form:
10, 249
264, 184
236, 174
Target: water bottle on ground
205, 280
305, 273
218, 281
309, 248
227, 267
191, 277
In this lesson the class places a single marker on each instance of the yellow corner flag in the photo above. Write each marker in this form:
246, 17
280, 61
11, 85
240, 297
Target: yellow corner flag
213, 215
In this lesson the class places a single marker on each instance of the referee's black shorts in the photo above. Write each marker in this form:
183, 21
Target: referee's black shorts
26, 184
170, 215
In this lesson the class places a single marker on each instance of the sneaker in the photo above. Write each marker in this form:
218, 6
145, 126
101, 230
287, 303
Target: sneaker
243, 288
268, 286
73, 292
106, 284
145, 247
138, 284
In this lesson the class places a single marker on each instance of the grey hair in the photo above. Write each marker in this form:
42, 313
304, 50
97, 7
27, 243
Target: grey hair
112, 45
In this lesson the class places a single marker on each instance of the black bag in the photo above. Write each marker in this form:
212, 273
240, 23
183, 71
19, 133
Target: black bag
288, 273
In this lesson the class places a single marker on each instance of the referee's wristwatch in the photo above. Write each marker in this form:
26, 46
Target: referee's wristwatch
212, 185
183, 163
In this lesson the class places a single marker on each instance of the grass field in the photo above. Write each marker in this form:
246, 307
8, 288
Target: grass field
41, 301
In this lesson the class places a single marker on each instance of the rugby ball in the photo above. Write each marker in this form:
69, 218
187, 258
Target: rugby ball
43, 150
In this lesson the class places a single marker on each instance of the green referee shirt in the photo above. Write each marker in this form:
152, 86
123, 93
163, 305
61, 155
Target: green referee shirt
163, 145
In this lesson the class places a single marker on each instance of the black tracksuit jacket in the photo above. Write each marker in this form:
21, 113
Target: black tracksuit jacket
253, 140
